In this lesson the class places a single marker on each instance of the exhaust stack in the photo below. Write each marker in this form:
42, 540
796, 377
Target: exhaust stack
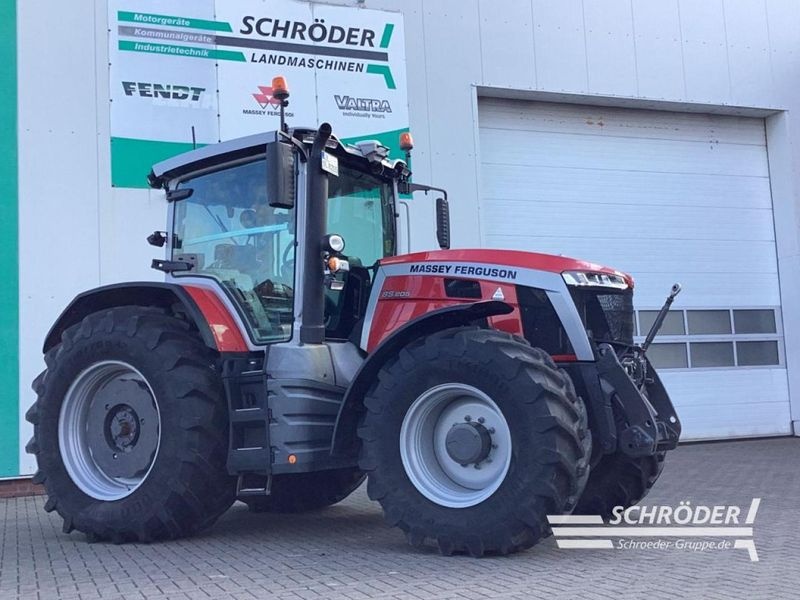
312, 329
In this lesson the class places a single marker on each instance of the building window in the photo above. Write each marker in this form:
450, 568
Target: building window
754, 321
712, 354
714, 338
673, 323
669, 355
757, 353
707, 322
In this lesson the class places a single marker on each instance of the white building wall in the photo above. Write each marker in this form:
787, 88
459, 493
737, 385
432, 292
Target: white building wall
707, 56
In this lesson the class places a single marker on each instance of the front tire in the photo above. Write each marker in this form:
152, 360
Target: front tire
619, 480
470, 439
130, 428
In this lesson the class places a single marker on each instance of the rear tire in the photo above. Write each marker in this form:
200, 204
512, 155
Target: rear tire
536, 456
619, 480
117, 466
302, 492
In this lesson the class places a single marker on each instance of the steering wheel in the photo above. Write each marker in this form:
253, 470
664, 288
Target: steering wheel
287, 264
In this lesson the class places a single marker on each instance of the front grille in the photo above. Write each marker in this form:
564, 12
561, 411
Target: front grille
607, 316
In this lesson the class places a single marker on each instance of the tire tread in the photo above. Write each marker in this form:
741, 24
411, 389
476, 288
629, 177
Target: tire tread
201, 490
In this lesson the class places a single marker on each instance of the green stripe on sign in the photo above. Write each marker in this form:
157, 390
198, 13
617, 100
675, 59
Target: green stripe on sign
187, 51
387, 35
390, 139
385, 71
131, 159
9, 253
171, 21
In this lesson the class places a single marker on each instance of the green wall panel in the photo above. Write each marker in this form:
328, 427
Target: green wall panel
9, 258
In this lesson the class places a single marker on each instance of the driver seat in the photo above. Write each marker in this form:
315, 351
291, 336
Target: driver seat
348, 306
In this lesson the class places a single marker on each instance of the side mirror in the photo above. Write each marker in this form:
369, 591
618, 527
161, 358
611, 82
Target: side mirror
157, 238
280, 175
443, 223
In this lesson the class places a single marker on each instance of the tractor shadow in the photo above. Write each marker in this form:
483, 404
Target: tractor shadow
354, 527
351, 521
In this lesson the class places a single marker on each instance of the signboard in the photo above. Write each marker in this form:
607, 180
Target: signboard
185, 74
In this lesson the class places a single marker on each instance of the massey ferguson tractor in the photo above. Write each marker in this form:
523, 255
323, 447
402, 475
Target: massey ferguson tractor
292, 351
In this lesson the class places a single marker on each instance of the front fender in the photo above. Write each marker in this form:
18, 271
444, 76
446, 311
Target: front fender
344, 434
140, 293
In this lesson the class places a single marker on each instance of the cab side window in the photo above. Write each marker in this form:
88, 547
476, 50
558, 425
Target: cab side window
228, 232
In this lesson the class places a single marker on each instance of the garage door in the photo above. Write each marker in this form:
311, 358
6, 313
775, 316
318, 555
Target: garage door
667, 197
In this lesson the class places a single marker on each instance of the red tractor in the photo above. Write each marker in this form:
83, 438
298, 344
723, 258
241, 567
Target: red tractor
292, 351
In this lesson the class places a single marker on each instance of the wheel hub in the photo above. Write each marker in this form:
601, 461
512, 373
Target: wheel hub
455, 445
468, 443
122, 428
109, 430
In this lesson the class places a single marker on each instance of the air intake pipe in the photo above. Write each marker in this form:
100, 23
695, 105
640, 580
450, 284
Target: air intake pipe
312, 328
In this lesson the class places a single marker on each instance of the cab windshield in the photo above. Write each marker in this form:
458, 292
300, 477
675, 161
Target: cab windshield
360, 209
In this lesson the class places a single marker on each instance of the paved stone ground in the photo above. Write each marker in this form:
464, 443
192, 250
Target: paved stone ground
347, 552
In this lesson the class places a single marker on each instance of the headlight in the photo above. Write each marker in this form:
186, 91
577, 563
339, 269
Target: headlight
588, 279
333, 242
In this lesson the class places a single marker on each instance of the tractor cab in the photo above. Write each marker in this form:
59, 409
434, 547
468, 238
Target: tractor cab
235, 216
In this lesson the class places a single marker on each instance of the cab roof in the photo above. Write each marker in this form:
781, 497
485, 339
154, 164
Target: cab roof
208, 156
243, 147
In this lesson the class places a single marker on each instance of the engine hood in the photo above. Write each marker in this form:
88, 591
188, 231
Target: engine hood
511, 258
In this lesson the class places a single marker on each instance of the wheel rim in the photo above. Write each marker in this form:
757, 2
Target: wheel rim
109, 430
455, 445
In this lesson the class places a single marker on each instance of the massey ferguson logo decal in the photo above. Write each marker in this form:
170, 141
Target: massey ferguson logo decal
265, 97
369, 105
268, 104
167, 91
463, 270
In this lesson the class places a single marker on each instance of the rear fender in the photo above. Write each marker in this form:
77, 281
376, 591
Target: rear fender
344, 434
200, 307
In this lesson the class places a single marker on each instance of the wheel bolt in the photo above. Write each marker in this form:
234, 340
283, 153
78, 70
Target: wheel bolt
481, 420
491, 429
468, 418
114, 455
477, 466
494, 446
488, 460
108, 406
